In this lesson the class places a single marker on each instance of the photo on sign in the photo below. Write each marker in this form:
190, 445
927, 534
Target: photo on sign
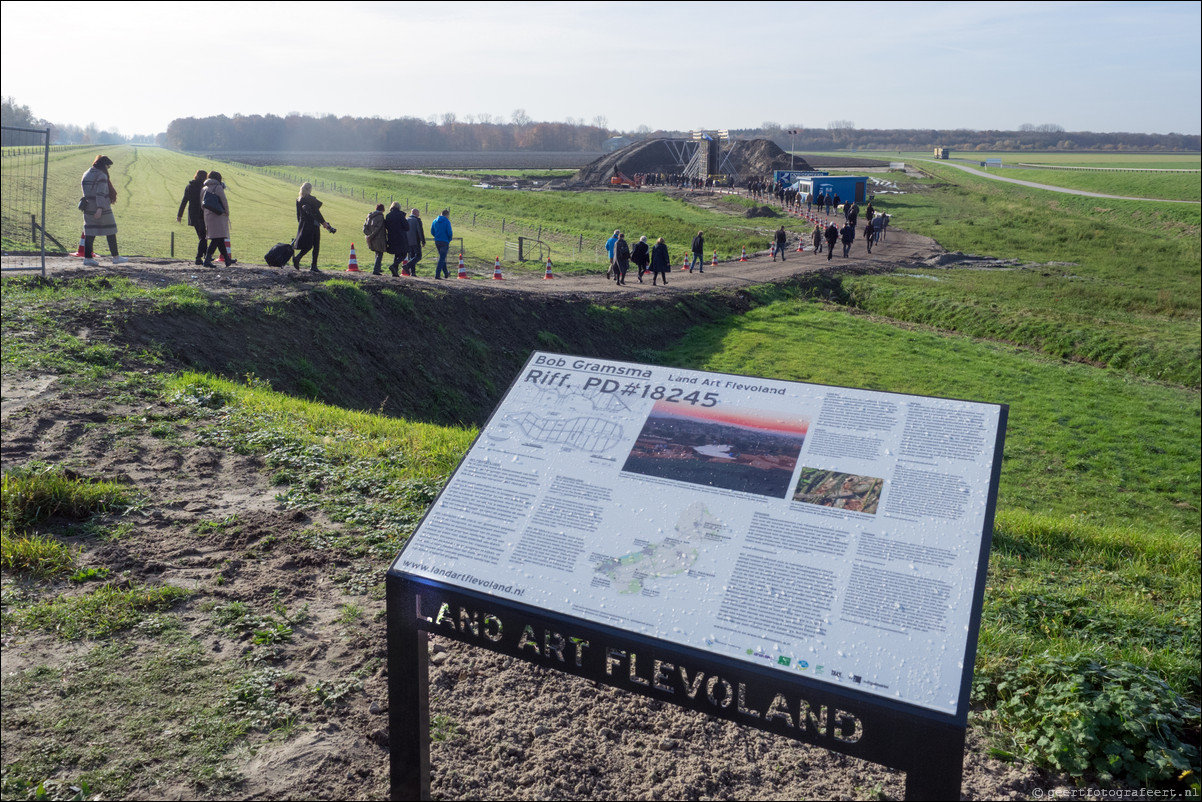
748, 450
845, 491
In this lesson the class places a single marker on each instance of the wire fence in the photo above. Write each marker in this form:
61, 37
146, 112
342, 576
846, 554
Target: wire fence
566, 246
559, 245
23, 196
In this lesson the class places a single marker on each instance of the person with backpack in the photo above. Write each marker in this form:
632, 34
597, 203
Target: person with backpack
376, 234
217, 219
196, 216
398, 236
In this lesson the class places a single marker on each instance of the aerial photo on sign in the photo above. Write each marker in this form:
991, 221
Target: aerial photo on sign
742, 450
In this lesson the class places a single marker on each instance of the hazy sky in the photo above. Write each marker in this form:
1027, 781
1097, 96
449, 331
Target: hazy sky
133, 67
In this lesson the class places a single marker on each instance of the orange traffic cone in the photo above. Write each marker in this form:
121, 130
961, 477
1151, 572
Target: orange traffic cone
743, 258
496, 271
80, 252
714, 261
353, 265
405, 267
685, 265
227, 250
801, 247
462, 267
548, 275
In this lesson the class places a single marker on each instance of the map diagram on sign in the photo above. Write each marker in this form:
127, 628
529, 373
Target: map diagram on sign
667, 559
591, 398
593, 435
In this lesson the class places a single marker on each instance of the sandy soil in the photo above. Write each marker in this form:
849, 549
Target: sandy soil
519, 732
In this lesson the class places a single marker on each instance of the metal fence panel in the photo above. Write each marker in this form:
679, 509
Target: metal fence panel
24, 165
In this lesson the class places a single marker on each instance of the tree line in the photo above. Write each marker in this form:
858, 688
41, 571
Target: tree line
16, 115
843, 135
296, 132
329, 133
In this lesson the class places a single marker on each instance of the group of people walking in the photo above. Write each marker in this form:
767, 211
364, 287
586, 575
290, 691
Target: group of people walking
207, 207
651, 259
403, 238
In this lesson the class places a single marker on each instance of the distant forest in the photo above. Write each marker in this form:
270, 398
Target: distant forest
483, 132
1036, 138
330, 133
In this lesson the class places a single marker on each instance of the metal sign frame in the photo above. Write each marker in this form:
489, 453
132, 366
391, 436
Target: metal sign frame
926, 744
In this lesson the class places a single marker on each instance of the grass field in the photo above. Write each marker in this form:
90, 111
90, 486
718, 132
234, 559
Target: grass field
1155, 186
1113, 283
150, 183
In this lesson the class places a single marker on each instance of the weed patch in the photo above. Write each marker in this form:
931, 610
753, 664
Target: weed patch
1080, 716
36, 492
97, 614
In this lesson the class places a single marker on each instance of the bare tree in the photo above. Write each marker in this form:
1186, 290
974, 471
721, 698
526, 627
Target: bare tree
841, 125
601, 121
520, 118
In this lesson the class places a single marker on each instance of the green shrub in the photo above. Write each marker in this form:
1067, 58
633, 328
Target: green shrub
1076, 715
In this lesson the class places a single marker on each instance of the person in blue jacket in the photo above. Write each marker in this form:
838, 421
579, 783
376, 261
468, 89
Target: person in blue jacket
440, 230
610, 244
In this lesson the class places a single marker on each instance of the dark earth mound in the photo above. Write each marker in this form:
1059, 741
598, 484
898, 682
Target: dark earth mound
745, 158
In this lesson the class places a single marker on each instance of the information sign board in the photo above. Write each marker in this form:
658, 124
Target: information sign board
825, 535
791, 176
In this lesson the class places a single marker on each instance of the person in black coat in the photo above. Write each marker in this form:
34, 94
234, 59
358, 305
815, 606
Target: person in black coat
698, 252
397, 227
849, 236
832, 236
660, 262
621, 259
196, 213
641, 256
309, 224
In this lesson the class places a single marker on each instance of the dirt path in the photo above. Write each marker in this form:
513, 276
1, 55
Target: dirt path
899, 249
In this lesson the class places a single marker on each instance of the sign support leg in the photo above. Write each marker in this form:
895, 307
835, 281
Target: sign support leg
408, 695
938, 772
